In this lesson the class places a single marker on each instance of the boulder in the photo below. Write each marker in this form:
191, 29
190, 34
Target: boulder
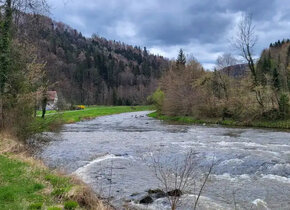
157, 193
176, 193
146, 200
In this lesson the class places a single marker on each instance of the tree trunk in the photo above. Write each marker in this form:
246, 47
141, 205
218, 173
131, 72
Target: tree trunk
44, 103
1, 114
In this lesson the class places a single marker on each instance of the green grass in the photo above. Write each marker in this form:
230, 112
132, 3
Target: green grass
53, 120
92, 112
279, 124
25, 186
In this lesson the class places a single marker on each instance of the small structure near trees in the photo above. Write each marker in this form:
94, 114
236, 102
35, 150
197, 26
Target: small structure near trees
52, 100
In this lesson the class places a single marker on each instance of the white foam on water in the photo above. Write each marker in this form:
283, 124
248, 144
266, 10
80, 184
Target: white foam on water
193, 144
232, 161
232, 178
236, 143
282, 179
82, 170
280, 167
278, 145
156, 205
186, 201
260, 203
205, 202
225, 143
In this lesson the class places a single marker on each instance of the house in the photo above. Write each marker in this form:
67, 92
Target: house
51, 100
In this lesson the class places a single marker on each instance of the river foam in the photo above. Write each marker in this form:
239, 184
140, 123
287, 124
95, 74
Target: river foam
82, 170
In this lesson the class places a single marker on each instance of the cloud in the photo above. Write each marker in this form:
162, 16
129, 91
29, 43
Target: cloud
202, 28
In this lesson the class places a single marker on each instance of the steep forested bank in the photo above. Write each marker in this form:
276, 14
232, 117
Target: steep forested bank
92, 70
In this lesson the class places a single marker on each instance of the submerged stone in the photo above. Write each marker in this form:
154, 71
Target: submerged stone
176, 193
146, 200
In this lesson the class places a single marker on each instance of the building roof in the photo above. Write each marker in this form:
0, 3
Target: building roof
51, 95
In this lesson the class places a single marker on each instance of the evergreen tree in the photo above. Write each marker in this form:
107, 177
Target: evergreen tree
5, 44
215, 84
145, 53
181, 59
276, 81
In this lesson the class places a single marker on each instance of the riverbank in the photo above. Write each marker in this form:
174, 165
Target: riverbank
97, 111
26, 183
278, 124
53, 120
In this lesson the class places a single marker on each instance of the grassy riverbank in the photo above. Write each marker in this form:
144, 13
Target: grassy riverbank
279, 124
53, 120
27, 184
97, 111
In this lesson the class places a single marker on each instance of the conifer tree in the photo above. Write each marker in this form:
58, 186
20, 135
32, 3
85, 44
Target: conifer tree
276, 81
5, 42
181, 59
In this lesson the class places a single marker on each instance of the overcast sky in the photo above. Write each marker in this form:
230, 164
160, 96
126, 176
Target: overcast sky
203, 28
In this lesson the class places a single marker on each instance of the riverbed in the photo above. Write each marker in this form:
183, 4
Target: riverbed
113, 154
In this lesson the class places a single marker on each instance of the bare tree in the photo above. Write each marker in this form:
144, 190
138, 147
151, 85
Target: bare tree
245, 42
180, 178
226, 60
25, 6
30, 6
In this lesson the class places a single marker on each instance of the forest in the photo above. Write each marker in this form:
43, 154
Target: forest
91, 70
234, 94
40, 55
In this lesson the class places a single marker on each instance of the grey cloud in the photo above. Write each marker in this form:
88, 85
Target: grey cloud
165, 23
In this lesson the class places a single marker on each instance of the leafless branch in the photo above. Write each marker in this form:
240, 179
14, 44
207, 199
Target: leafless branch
245, 42
180, 178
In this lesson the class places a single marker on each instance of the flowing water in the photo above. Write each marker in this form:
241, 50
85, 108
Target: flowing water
113, 154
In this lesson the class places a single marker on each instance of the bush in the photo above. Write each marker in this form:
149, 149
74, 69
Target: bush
70, 205
38, 186
62, 104
157, 99
35, 206
54, 208
284, 106
77, 107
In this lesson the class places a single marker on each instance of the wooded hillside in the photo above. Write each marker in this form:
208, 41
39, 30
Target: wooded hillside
92, 70
275, 63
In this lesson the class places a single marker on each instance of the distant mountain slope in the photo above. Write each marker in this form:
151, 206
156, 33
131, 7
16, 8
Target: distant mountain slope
92, 70
272, 67
236, 71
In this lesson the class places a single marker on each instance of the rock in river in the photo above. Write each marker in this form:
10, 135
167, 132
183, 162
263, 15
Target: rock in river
175, 192
146, 200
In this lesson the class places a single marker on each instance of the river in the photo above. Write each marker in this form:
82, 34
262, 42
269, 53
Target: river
113, 154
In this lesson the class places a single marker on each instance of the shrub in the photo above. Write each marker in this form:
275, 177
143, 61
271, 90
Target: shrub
157, 99
284, 105
54, 208
61, 103
38, 186
35, 206
70, 205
